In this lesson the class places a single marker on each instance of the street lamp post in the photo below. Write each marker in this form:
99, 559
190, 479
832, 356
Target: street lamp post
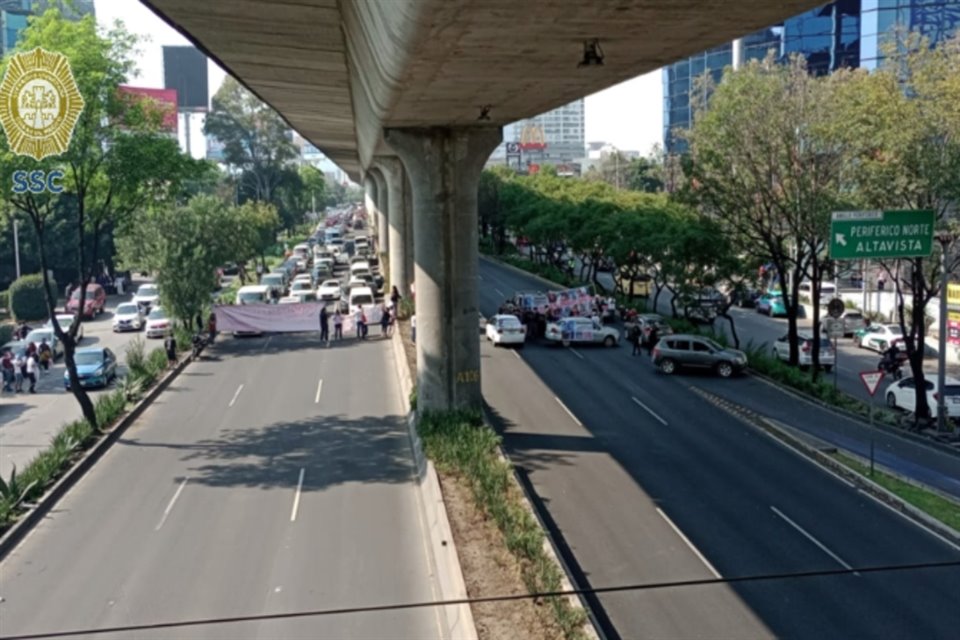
16, 246
945, 238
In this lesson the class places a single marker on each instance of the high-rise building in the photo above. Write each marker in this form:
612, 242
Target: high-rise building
562, 133
845, 33
14, 13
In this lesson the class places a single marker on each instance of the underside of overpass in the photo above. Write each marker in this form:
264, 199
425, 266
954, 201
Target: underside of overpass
412, 94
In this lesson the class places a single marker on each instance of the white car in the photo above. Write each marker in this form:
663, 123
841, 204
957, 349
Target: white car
65, 321
329, 290
505, 329
880, 337
147, 296
301, 286
580, 330
39, 335
902, 394
127, 317
304, 277
828, 357
158, 323
289, 300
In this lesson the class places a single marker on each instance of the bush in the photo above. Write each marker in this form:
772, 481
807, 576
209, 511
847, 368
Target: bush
27, 301
5, 300
6, 333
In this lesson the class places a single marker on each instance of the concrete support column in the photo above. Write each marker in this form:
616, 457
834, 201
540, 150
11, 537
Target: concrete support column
370, 198
444, 165
408, 231
396, 179
383, 240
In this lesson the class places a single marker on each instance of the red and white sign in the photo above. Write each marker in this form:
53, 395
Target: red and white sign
871, 380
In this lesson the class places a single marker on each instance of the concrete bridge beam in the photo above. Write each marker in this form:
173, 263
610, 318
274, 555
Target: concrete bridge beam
444, 165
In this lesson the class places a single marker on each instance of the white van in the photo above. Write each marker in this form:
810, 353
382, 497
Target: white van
828, 291
254, 294
360, 297
359, 265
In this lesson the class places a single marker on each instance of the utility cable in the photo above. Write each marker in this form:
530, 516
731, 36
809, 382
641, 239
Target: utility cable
484, 599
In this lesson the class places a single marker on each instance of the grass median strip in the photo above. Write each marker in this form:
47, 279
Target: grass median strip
943, 509
461, 443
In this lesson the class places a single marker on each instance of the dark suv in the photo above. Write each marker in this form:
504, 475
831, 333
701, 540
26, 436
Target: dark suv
684, 350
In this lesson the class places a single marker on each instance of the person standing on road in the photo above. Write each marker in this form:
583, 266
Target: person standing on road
46, 354
652, 339
634, 337
384, 321
6, 367
395, 300
324, 325
337, 325
170, 344
413, 328
19, 372
31, 371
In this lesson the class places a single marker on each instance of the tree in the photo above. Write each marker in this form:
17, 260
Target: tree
257, 142
901, 129
764, 165
119, 159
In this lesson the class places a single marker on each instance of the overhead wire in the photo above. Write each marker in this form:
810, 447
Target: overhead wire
856, 572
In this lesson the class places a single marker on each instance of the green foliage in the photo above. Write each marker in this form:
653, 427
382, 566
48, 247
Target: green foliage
13, 491
460, 443
6, 333
4, 299
27, 300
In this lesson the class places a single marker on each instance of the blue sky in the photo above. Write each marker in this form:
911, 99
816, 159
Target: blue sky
629, 115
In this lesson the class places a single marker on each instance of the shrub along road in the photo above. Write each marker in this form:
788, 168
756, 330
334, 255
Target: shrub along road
247, 488
641, 458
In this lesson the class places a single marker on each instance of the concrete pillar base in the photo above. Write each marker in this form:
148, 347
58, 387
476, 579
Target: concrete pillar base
396, 180
383, 239
444, 166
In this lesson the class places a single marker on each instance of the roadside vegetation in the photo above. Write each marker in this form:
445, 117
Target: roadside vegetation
24, 486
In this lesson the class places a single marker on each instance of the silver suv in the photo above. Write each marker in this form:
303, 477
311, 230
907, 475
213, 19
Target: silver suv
686, 350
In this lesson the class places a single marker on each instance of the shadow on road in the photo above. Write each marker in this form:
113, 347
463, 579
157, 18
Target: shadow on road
333, 450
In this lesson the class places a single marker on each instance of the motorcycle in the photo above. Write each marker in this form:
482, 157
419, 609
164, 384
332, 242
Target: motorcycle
199, 342
892, 368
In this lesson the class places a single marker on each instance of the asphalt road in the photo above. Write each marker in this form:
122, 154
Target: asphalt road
29, 421
250, 487
644, 481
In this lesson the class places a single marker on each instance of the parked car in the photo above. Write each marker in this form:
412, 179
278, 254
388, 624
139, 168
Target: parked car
39, 335
66, 321
127, 317
276, 282
96, 367
298, 286
146, 297
329, 290
879, 337
678, 351
903, 395
93, 303
505, 329
828, 356
771, 304
581, 331
745, 298
853, 321
158, 323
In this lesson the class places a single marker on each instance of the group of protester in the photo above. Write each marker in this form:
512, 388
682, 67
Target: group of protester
26, 366
536, 319
360, 320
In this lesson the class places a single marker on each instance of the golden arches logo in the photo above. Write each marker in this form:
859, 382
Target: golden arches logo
40, 104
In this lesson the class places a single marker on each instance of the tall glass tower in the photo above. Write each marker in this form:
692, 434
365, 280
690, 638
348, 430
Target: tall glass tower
14, 14
845, 33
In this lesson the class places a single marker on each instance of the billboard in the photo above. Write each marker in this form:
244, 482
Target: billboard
163, 100
185, 71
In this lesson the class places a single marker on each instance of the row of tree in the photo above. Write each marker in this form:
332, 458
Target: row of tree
773, 151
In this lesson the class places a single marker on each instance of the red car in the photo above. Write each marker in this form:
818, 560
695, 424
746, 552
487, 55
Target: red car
93, 302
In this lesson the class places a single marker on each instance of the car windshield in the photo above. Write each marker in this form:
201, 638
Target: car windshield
250, 296
331, 283
272, 279
76, 293
362, 299
158, 314
147, 290
952, 390
126, 308
39, 334
509, 322
301, 285
88, 357
894, 329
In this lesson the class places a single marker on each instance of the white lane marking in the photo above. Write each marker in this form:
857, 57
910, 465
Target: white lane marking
649, 410
319, 389
296, 498
499, 293
236, 395
266, 344
516, 354
710, 567
810, 537
576, 353
173, 500
569, 413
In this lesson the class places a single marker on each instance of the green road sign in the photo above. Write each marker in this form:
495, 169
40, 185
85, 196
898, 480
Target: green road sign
881, 234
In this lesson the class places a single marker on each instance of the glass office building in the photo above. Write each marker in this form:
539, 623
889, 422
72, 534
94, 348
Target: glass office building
846, 33
14, 13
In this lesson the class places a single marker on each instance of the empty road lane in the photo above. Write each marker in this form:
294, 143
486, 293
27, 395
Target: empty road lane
243, 491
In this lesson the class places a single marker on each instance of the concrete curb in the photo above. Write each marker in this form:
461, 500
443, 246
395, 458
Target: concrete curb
48, 500
839, 469
443, 558
894, 431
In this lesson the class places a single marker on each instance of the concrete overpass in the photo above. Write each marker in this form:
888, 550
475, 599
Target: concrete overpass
409, 96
